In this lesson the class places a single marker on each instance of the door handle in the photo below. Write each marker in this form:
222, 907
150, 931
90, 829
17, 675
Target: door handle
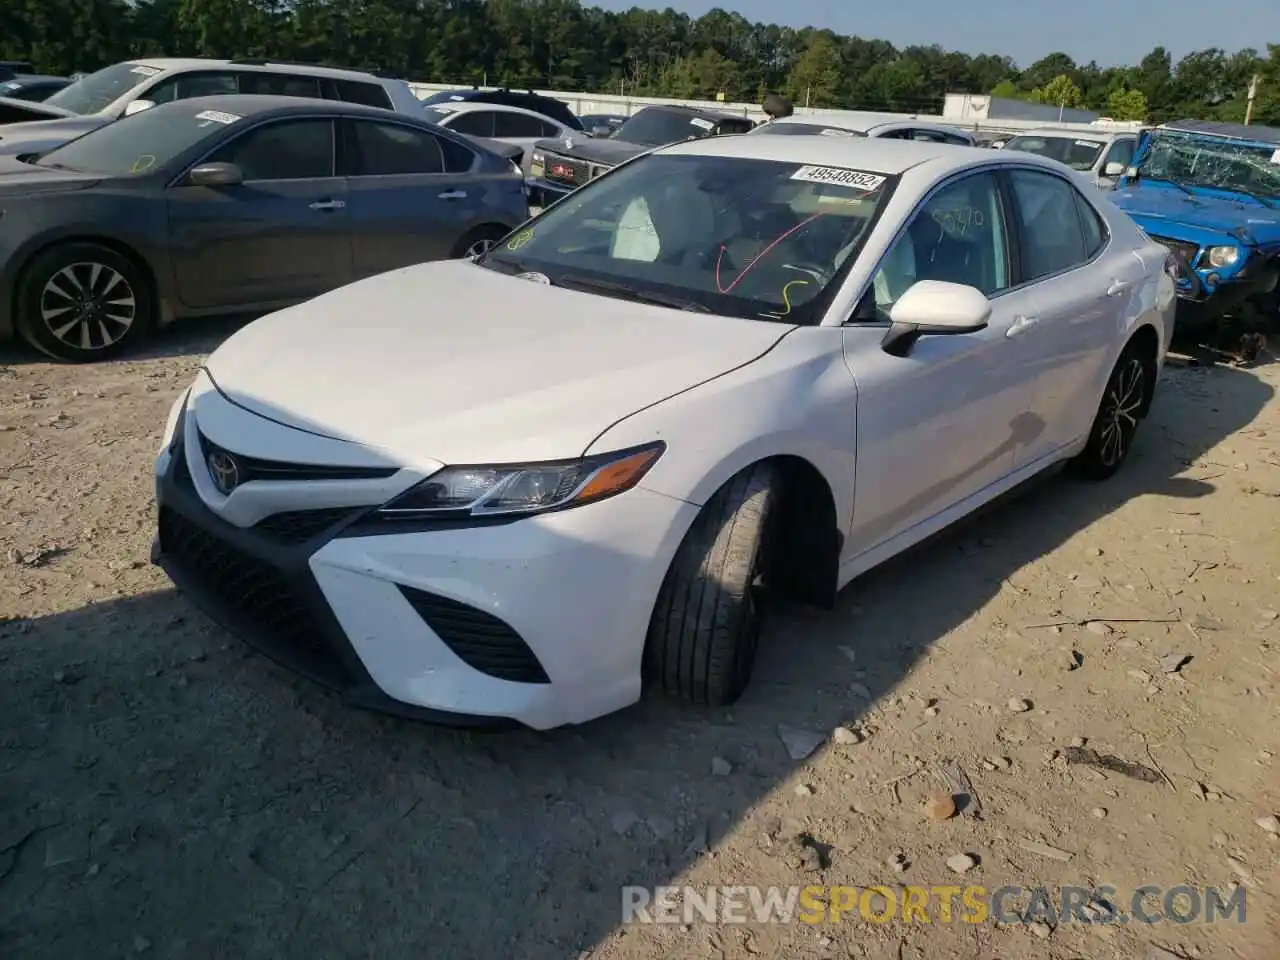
452, 195
327, 205
1118, 287
1021, 324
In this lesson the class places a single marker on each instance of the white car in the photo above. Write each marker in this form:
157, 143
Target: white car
522, 486
858, 123
1099, 157
494, 121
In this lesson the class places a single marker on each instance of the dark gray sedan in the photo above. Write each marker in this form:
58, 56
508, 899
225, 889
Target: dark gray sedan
232, 204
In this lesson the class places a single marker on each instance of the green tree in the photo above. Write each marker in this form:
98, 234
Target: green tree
1005, 90
1127, 105
815, 78
1061, 91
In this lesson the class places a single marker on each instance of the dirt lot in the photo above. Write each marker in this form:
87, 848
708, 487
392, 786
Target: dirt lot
164, 792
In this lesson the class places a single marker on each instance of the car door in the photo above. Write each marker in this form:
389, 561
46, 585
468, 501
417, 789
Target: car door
279, 236
941, 424
1081, 286
411, 199
1121, 152
524, 131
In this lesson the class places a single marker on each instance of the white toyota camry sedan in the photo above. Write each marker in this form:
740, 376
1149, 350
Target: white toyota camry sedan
527, 486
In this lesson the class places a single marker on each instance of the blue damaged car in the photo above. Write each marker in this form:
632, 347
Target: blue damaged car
1210, 192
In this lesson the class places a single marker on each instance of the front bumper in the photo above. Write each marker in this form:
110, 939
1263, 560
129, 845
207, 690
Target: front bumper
539, 621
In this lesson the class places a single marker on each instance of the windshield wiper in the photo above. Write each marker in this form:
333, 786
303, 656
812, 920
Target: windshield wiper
625, 292
1179, 184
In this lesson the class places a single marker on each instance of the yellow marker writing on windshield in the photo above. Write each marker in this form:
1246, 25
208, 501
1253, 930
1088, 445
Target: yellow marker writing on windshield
144, 162
786, 299
520, 239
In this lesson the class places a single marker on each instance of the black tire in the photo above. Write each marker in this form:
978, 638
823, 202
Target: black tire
705, 626
472, 241
1124, 403
81, 302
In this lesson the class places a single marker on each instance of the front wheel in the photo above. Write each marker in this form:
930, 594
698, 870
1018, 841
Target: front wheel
479, 241
81, 302
1124, 403
703, 634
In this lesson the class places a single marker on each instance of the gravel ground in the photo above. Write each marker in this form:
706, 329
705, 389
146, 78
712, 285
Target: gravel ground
164, 792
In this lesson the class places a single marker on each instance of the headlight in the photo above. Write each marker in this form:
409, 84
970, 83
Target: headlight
177, 413
1223, 256
505, 489
537, 164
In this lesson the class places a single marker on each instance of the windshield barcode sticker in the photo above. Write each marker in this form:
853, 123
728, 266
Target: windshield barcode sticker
702, 124
144, 71
830, 132
840, 177
216, 116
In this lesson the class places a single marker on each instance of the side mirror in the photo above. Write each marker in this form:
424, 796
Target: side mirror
137, 106
934, 307
1113, 169
1130, 172
215, 175
603, 130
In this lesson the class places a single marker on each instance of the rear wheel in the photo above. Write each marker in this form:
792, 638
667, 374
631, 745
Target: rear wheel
705, 626
478, 241
1124, 403
82, 302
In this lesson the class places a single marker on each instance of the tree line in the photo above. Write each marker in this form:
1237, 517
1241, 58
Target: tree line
563, 44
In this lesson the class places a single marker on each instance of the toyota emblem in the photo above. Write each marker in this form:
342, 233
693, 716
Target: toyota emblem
223, 470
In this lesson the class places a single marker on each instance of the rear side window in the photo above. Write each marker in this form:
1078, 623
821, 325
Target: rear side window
386, 150
369, 94
283, 150
1052, 234
279, 84
519, 125
457, 158
475, 123
1095, 233
734, 126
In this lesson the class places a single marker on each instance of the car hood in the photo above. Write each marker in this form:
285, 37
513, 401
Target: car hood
19, 179
14, 110
41, 135
455, 363
594, 149
1167, 211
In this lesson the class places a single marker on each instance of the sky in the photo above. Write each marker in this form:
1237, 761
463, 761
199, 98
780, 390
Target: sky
1112, 32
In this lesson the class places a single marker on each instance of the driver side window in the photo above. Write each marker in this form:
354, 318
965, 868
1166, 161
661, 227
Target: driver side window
958, 235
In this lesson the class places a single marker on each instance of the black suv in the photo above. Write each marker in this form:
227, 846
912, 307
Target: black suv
557, 110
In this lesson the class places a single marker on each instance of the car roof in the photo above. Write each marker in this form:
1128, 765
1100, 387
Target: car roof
1236, 131
267, 66
692, 111
27, 78
873, 154
472, 106
855, 120
1074, 134
255, 104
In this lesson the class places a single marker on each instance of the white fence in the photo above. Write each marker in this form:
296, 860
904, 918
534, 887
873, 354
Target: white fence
585, 103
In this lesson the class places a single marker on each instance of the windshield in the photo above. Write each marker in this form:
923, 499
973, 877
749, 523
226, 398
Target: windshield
98, 90
790, 128
1078, 154
140, 143
740, 237
654, 127
1194, 160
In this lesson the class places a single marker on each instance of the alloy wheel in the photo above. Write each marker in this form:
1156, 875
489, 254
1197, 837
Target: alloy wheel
88, 306
1120, 412
478, 247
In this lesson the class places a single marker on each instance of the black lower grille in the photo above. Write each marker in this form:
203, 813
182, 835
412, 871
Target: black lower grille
255, 592
299, 526
479, 639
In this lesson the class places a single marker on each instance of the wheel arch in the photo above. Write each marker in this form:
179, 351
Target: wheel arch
113, 244
1146, 342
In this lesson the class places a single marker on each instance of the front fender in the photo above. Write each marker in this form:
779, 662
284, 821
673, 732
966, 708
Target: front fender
797, 400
